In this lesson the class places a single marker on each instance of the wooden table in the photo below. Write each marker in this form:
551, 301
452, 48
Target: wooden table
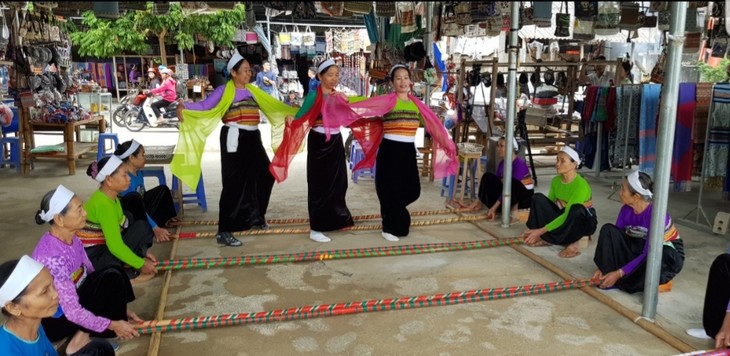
74, 149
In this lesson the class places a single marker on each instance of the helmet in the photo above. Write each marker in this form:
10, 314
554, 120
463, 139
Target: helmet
166, 70
151, 69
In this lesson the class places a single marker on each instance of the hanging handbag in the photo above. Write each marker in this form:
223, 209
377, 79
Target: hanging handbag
55, 32
250, 37
296, 37
656, 6
359, 7
284, 37
449, 27
586, 10
562, 22
657, 73
526, 15
631, 17
308, 37
463, 13
663, 20
542, 12
583, 29
692, 42
405, 11
385, 8
607, 22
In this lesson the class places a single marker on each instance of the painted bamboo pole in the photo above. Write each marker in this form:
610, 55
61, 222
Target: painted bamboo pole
355, 218
372, 305
381, 251
305, 230
156, 338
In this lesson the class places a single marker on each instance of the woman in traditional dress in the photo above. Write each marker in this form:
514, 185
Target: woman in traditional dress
93, 301
156, 203
113, 236
247, 183
622, 248
566, 214
490, 185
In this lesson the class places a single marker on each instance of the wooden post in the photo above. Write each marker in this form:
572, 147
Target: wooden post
163, 52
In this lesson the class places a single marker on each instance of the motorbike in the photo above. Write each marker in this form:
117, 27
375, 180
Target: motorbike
138, 117
125, 104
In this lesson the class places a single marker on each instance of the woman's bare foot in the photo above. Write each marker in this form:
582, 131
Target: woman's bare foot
78, 341
570, 251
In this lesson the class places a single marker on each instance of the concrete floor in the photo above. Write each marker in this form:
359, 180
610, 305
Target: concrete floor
562, 323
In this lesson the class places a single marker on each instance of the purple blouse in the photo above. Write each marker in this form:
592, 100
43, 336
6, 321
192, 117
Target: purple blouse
69, 265
215, 97
637, 226
519, 169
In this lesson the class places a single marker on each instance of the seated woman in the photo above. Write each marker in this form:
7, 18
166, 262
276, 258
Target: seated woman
566, 214
716, 313
622, 248
154, 205
92, 301
27, 295
490, 186
111, 236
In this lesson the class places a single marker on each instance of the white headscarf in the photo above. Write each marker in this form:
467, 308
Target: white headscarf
109, 168
133, 147
572, 153
635, 183
60, 199
24, 272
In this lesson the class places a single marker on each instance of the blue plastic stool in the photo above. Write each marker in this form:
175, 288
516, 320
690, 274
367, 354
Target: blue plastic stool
447, 184
154, 171
14, 153
191, 198
101, 148
357, 155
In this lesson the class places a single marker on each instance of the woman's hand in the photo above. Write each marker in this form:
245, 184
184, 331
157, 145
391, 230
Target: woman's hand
133, 317
161, 234
722, 339
149, 267
492, 213
123, 329
179, 109
597, 275
532, 236
611, 278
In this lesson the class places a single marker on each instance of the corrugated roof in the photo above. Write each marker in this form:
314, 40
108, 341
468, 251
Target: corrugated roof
646, 35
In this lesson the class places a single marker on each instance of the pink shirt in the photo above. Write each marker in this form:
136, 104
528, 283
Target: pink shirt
167, 90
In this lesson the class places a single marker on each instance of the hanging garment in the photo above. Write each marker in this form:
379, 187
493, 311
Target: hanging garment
718, 140
682, 153
627, 126
699, 130
647, 127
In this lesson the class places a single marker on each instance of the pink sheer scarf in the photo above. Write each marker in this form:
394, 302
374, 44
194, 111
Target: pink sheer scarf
364, 119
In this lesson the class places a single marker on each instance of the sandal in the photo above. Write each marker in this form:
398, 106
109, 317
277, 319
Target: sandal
565, 253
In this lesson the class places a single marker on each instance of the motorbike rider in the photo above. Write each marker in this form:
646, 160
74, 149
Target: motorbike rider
154, 81
168, 93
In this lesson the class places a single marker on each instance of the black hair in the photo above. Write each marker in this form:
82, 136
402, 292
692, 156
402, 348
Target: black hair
392, 73
45, 205
601, 57
123, 147
504, 138
6, 269
646, 183
313, 69
99, 165
627, 66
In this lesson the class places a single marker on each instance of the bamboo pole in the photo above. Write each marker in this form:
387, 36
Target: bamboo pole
382, 251
355, 218
372, 305
305, 230
156, 338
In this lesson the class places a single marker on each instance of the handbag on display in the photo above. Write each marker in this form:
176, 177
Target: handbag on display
607, 22
296, 37
692, 42
583, 29
631, 17
449, 27
562, 22
586, 10
385, 8
251, 37
308, 37
657, 73
719, 50
526, 15
284, 37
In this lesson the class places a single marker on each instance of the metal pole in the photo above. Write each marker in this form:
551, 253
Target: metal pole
268, 27
511, 110
428, 41
665, 143
597, 159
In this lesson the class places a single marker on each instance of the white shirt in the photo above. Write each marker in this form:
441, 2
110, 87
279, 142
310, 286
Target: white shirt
602, 81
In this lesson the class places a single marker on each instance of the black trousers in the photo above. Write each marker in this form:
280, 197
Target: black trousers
159, 104
106, 293
580, 221
138, 237
156, 202
327, 183
615, 249
717, 295
397, 184
247, 182
490, 190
